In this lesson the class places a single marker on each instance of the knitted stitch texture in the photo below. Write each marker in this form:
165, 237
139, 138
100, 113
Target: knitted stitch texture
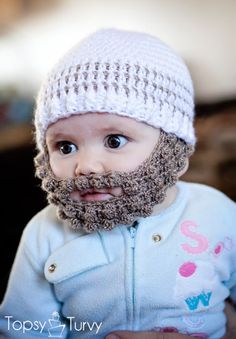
127, 73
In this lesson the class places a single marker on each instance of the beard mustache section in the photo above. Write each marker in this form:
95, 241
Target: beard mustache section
142, 188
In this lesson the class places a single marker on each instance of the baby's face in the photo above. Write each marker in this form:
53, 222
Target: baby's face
97, 143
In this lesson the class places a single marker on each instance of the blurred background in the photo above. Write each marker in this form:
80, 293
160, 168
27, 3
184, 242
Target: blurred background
35, 33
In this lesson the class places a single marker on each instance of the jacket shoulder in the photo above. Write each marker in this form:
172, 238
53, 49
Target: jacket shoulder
205, 191
210, 201
45, 232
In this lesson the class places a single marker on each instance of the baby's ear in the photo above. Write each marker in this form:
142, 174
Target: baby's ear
184, 170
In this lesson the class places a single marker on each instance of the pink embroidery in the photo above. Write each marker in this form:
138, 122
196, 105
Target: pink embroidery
187, 269
169, 329
202, 242
175, 330
221, 246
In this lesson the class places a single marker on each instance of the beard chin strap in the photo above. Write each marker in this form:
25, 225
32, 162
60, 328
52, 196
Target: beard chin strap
142, 188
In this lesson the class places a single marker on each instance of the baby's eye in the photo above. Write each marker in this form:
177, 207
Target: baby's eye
115, 141
66, 147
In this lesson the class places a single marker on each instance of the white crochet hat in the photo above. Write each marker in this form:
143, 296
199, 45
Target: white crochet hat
126, 73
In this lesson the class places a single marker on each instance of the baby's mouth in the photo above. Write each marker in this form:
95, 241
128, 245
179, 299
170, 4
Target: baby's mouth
95, 195
91, 194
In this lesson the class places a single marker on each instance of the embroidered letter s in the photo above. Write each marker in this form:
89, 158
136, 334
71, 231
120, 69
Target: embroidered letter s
202, 243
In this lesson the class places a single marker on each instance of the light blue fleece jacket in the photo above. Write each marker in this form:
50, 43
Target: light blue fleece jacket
173, 270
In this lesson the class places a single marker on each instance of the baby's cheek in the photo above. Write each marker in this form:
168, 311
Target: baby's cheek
61, 169
127, 164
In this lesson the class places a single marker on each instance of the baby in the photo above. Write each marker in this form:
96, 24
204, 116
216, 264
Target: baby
122, 245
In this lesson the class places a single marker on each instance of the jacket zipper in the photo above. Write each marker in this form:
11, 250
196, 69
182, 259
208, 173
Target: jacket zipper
132, 231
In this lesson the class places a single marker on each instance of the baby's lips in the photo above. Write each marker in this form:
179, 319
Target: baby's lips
93, 191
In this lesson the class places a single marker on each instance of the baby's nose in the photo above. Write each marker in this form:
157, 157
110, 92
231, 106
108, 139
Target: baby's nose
88, 163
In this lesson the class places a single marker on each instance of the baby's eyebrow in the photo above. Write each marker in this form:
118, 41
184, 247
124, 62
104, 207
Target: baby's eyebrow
113, 129
57, 135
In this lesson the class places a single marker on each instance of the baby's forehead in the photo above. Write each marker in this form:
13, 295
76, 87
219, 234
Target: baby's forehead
99, 121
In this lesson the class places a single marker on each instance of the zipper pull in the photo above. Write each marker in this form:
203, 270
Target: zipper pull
133, 231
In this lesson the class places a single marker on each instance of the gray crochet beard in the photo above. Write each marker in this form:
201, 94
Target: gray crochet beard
142, 188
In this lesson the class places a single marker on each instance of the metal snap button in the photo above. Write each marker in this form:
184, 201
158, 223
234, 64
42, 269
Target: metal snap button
156, 237
52, 268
